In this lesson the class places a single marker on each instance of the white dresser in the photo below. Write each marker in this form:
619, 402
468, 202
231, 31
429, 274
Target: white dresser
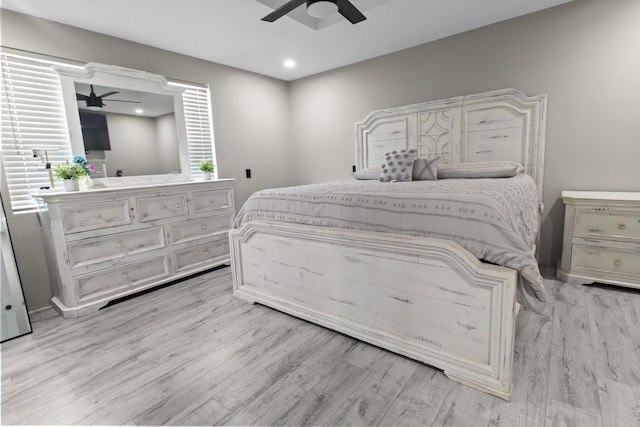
601, 238
105, 244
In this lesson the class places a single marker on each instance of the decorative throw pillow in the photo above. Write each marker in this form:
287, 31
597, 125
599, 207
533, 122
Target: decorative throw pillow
498, 169
372, 172
398, 166
425, 170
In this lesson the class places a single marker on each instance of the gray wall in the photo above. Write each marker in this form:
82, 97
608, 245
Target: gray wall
584, 54
250, 116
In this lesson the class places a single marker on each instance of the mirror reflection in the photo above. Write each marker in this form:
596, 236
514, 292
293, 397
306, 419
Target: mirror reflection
127, 132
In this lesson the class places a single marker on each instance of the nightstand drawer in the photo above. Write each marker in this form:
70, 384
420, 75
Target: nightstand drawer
95, 216
603, 223
103, 248
606, 260
160, 207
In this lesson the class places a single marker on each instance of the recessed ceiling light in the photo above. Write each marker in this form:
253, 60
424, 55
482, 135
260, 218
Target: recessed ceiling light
289, 63
139, 110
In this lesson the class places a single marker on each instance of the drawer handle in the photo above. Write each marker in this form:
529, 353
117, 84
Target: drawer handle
163, 206
212, 201
125, 276
178, 206
618, 263
206, 252
119, 244
204, 227
621, 227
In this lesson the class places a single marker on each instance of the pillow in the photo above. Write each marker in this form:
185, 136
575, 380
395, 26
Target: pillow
425, 170
372, 172
398, 166
480, 170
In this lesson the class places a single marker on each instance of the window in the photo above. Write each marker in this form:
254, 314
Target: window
33, 116
199, 129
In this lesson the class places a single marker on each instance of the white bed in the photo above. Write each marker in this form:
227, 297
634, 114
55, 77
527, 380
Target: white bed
426, 298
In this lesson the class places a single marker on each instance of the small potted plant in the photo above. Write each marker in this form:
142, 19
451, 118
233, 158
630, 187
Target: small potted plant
206, 166
71, 172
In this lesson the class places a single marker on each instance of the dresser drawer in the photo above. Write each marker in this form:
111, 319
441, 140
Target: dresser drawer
211, 200
160, 207
96, 249
193, 256
200, 227
600, 223
129, 276
606, 260
95, 216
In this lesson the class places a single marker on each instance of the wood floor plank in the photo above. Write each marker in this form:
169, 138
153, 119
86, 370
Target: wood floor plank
368, 404
620, 404
190, 354
532, 353
616, 358
572, 370
420, 400
560, 414
317, 405
464, 406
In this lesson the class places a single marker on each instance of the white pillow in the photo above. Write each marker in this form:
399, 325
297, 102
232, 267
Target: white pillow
497, 169
398, 166
372, 172
425, 170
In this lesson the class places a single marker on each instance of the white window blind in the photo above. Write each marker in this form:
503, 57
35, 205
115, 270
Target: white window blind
33, 116
197, 114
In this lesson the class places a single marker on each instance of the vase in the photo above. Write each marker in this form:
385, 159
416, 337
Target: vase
86, 182
71, 185
206, 175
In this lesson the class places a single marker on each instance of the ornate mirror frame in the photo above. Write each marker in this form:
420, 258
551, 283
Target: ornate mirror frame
124, 78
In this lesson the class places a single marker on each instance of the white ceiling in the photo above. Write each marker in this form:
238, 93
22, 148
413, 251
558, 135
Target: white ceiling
230, 32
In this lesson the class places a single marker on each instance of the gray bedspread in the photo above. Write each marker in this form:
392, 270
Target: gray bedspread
494, 219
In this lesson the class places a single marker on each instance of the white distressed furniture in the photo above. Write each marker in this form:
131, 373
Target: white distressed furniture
601, 238
105, 244
449, 310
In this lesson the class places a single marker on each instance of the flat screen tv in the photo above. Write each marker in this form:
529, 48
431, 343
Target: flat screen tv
94, 131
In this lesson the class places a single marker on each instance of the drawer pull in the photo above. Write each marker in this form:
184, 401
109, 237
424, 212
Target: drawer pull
621, 227
212, 201
178, 207
125, 276
204, 227
618, 263
119, 244
206, 252
163, 206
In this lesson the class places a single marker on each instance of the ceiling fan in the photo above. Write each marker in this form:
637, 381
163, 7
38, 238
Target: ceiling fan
319, 9
94, 102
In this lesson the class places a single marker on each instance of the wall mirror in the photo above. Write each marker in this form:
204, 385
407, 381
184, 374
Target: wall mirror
126, 122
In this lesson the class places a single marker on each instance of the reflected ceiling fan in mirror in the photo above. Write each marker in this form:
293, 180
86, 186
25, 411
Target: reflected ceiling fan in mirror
319, 9
94, 102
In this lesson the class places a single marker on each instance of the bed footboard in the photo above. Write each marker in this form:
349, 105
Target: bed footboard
428, 299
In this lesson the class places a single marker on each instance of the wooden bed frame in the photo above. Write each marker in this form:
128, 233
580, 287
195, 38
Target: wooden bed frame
425, 298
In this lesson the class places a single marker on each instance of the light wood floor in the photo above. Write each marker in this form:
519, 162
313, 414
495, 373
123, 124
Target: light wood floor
189, 354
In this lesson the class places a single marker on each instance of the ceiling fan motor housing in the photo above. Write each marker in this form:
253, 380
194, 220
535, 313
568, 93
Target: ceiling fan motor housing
321, 8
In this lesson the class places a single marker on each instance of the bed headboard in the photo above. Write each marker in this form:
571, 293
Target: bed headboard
498, 125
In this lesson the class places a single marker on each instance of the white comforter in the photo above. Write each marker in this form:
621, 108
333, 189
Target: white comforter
494, 219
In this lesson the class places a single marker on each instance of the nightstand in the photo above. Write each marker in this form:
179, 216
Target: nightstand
601, 238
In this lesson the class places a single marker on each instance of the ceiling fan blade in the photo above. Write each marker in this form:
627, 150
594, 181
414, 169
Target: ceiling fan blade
349, 11
81, 97
104, 95
124, 100
283, 10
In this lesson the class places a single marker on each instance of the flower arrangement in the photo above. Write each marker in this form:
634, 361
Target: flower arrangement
73, 170
206, 165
